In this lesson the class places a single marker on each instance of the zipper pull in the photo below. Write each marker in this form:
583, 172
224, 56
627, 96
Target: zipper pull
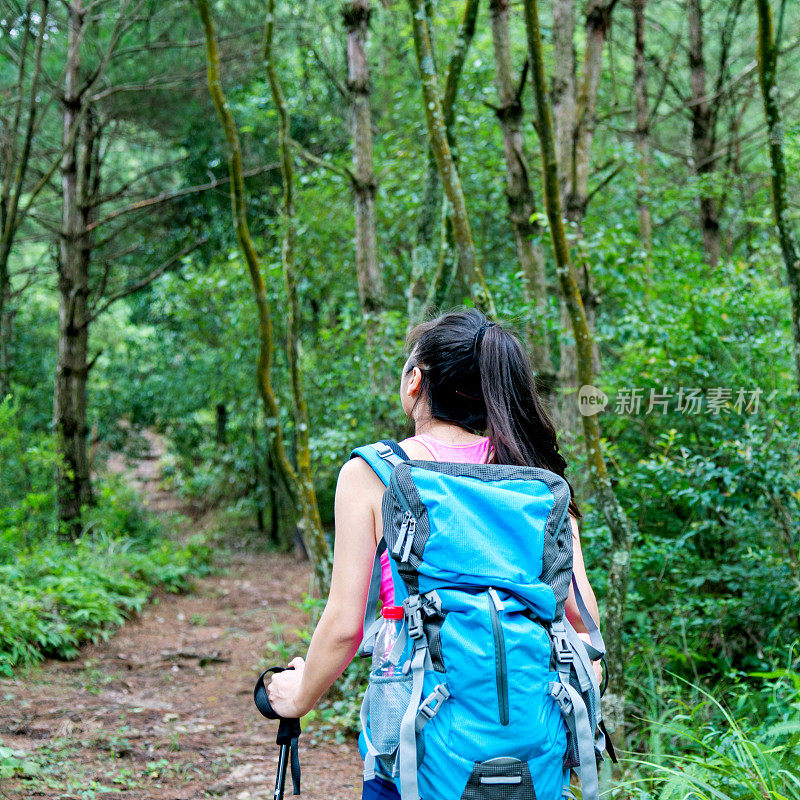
401, 536
410, 531
498, 603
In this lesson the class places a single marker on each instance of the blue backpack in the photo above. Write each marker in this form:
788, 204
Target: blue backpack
495, 698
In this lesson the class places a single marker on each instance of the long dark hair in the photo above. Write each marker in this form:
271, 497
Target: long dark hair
477, 375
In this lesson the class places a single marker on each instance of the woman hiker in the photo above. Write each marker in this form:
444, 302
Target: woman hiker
469, 389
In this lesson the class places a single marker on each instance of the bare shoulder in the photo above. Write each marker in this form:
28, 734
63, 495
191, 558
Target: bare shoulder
357, 477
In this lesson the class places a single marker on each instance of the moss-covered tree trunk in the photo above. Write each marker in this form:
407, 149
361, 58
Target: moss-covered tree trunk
448, 174
575, 104
604, 497
302, 490
767, 68
356, 15
521, 199
432, 276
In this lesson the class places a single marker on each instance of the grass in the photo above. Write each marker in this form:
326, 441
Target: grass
709, 752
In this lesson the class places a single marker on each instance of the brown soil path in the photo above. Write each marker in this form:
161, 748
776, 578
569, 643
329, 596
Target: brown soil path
164, 709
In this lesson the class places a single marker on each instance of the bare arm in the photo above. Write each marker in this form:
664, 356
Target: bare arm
571, 606
579, 571
338, 633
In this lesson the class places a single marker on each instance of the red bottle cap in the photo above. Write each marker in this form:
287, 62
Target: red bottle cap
392, 612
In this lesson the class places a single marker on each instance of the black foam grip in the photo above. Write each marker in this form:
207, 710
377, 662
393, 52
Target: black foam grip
295, 768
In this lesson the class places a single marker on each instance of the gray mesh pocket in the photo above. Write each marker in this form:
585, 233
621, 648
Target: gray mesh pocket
388, 700
500, 779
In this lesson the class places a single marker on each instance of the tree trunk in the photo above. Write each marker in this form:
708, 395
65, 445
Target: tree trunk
16, 157
606, 500
448, 174
304, 501
6, 335
79, 181
564, 108
703, 134
521, 199
767, 67
431, 284
642, 126
575, 104
309, 523
221, 433
356, 14
597, 23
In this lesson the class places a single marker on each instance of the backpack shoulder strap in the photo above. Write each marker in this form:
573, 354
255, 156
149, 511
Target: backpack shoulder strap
383, 457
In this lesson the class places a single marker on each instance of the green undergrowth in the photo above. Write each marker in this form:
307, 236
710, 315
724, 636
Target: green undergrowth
57, 594
63, 594
739, 741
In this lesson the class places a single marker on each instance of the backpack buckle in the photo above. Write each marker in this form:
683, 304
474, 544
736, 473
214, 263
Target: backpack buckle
561, 646
559, 693
563, 650
433, 702
432, 603
413, 609
383, 449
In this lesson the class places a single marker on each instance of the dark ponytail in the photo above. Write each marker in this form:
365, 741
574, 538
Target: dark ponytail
477, 375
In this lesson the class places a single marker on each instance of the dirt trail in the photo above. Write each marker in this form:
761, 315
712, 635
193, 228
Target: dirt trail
164, 709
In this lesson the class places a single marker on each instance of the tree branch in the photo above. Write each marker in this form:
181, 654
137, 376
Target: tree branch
167, 196
146, 280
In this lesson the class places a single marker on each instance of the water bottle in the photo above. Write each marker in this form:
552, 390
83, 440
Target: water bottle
385, 641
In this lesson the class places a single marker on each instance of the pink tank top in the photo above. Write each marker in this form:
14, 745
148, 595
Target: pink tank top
475, 452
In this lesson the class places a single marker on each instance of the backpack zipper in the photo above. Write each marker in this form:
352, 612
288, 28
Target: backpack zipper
501, 670
405, 537
408, 527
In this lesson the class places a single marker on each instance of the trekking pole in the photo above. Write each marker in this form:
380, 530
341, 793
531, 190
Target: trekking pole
288, 735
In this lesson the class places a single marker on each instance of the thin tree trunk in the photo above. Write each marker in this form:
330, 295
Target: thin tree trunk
575, 105
703, 134
520, 196
597, 23
642, 126
78, 184
16, 157
310, 523
305, 504
767, 67
356, 15
606, 500
430, 285
564, 99
221, 433
448, 174
6, 336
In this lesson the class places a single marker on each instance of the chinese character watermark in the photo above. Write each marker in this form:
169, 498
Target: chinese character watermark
715, 401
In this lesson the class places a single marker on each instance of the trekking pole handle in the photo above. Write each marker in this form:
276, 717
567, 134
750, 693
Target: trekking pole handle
260, 696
